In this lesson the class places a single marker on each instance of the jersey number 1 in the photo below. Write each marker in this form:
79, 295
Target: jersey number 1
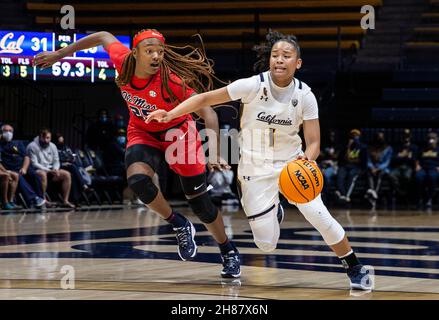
271, 137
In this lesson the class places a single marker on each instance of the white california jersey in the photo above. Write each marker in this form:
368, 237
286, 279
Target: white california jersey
269, 128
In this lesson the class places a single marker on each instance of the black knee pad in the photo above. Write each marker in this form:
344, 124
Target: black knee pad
194, 184
143, 187
203, 208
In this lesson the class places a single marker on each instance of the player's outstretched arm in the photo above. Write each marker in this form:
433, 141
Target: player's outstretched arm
46, 59
192, 104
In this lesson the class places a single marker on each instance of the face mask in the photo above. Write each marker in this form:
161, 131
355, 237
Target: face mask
43, 144
356, 139
7, 136
103, 118
121, 140
432, 141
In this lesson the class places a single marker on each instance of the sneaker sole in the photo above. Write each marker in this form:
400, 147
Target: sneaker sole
227, 275
193, 240
40, 205
356, 286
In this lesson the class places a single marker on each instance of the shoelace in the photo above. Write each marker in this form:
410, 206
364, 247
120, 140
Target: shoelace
231, 260
357, 274
182, 236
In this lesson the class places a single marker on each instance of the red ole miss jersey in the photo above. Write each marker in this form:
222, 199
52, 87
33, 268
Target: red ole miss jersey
145, 95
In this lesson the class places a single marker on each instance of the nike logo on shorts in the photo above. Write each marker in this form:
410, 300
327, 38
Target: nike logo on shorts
196, 188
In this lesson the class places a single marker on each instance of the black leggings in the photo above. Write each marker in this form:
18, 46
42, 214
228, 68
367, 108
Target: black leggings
155, 159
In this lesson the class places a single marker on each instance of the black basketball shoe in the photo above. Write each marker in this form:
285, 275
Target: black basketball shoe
187, 248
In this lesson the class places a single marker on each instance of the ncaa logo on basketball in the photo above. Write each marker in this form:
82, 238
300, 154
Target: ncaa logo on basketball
301, 179
152, 93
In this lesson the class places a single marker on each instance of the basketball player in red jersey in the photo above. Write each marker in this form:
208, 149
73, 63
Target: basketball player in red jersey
153, 76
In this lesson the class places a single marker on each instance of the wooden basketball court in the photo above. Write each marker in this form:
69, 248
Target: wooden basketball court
129, 253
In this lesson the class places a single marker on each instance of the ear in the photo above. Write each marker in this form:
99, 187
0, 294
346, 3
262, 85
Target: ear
299, 63
135, 53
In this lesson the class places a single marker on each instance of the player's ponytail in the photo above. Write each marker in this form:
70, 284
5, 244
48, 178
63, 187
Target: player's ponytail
191, 65
128, 67
263, 51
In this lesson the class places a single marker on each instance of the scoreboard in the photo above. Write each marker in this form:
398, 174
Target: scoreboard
18, 49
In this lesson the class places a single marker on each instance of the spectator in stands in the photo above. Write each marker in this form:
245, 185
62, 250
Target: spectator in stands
379, 156
403, 163
328, 161
102, 137
81, 180
119, 121
44, 158
221, 181
427, 167
102, 132
221, 192
352, 162
121, 138
13, 157
8, 186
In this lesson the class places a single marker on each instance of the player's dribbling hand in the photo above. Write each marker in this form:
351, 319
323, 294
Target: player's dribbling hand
159, 116
304, 157
220, 165
46, 59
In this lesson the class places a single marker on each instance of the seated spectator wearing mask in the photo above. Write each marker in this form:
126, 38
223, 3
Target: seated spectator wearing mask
45, 160
380, 155
403, 163
13, 158
427, 171
352, 161
328, 162
67, 160
101, 137
121, 139
102, 133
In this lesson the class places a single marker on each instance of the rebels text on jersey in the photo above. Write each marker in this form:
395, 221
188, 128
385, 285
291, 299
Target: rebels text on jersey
145, 95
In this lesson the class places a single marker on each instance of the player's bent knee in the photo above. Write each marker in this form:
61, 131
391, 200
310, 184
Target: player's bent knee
334, 234
143, 187
203, 208
318, 215
265, 231
265, 246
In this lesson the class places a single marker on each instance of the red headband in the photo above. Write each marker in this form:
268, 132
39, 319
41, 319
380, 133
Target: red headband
148, 34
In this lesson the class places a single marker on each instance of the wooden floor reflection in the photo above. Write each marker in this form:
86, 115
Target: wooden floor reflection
131, 254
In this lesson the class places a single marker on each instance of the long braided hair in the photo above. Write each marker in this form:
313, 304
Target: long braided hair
193, 68
263, 51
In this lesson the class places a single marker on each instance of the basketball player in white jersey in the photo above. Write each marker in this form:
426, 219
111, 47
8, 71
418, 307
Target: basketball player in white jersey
275, 105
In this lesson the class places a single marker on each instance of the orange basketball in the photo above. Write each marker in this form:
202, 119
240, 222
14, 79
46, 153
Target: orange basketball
301, 181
